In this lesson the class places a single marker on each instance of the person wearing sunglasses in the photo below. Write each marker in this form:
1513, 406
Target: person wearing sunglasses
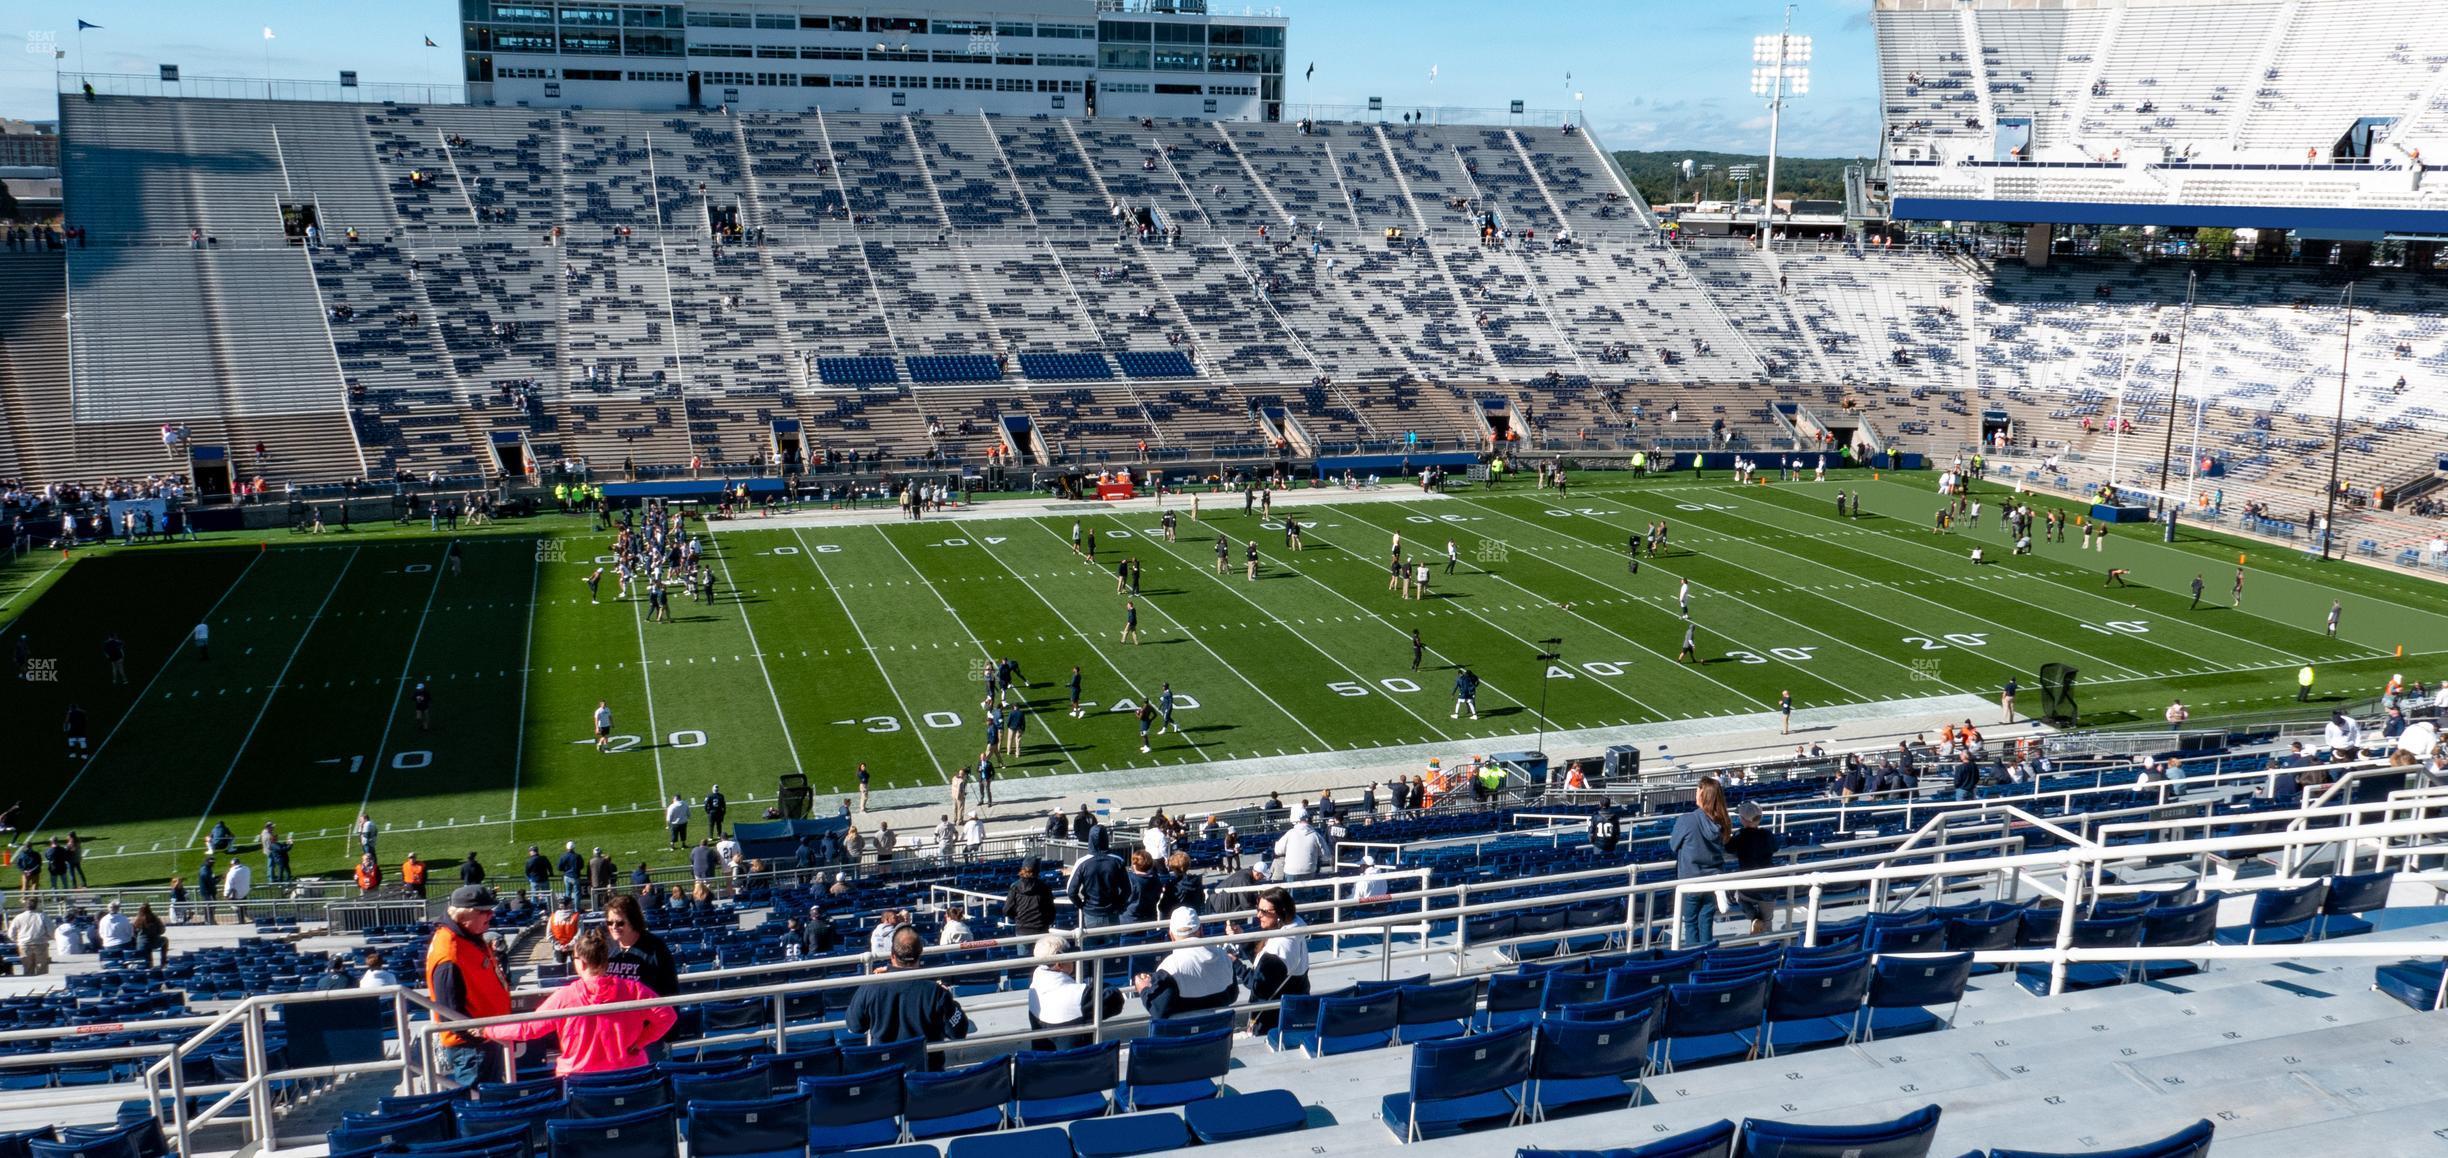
639, 955
1282, 965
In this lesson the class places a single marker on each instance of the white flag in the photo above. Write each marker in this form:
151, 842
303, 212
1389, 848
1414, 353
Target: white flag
1432, 73
267, 32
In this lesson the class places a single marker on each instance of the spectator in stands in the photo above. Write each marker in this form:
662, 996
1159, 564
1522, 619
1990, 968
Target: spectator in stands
2344, 736
1184, 888
595, 1042
235, 885
377, 975
335, 975
955, 932
152, 940
1754, 847
1188, 979
1605, 828
1147, 890
563, 929
1058, 998
1100, 885
369, 875
412, 876
464, 977
114, 930
1300, 851
1282, 966
600, 875
889, 1009
1029, 906
539, 872
1699, 844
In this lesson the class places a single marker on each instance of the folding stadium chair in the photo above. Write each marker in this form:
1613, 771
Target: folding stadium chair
2175, 926
1717, 1009
2104, 933
1511, 1000
653, 1132
608, 1101
958, 1101
1043, 1142
783, 1070
1571, 987
1827, 995
2277, 913
1914, 984
2421, 985
909, 1053
1295, 1026
480, 1118
402, 1105
511, 1142
1907, 1137
1461, 1084
2348, 896
1435, 1012
766, 1127
1060, 1085
2191, 1142
1580, 1062
847, 1111
359, 1131
744, 1083
1173, 1071
1352, 1024
14, 1143
1191, 1024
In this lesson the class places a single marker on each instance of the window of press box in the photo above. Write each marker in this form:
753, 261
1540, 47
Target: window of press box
1124, 32
905, 24
597, 17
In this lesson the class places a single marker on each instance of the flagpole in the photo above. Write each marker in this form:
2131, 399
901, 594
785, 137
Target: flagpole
267, 62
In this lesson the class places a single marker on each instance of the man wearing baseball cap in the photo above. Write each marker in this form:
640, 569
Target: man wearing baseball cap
463, 976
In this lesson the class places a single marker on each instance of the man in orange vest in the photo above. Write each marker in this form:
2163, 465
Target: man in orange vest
412, 875
369, 875
464, 978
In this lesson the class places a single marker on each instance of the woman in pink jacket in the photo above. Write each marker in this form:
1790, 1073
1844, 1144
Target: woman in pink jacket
595, 1042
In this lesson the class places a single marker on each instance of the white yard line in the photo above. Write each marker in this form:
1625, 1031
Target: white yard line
1211, 654
518, 750
1724, 594
929, 584
654, 732
1226, 583
400, 690
30, 584
141, 697
270, 695
877, 658
780, 716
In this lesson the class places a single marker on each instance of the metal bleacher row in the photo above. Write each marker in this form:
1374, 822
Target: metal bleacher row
575, 276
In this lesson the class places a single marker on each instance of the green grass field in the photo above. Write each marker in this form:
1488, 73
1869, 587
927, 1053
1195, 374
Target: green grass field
836, 644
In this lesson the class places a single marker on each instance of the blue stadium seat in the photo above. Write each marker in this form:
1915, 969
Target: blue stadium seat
530, 1114
2349, 896
1156, 364
1815, 1004
14, 1144
765, 1127
1715, 1140
1907, 1137
927, 369
2173, 926
401, 1105
1905, 987
490, 1092
1462, 1084
1919, 937
2421, 985
1352, 1024
847, 1111
2191, 1142
2101, 933
357, 1131
1435, 1012
1060, 1085
510, 1142
783, 1070
1581, 1062
744, 1083
1295, 1027
1571, 987
1125, 1135
957, 1101
1044, 1142
1190, 1025
1714, 1016
653, 1132
1175, 1071
2280, 916
1511, 1000
1237, 1116
909, 1053
612, 1101
1065, 367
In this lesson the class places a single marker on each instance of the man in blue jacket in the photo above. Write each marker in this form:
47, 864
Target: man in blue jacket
1100, 883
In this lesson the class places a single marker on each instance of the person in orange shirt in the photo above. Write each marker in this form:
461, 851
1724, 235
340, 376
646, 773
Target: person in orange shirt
369, 875
564, 930
412, 875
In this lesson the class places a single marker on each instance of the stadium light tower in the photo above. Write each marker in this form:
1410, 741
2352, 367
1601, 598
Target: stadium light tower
1780, 66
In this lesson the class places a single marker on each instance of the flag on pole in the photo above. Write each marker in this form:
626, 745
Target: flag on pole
1432, 74
267, 32
430, 44
1312, 73
83, 25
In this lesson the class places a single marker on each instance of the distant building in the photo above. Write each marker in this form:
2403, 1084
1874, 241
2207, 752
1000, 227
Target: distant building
28, 145
1115, 58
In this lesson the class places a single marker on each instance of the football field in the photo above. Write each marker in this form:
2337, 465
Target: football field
830, 643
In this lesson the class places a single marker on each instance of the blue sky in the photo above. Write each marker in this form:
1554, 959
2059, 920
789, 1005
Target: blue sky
1653, 75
